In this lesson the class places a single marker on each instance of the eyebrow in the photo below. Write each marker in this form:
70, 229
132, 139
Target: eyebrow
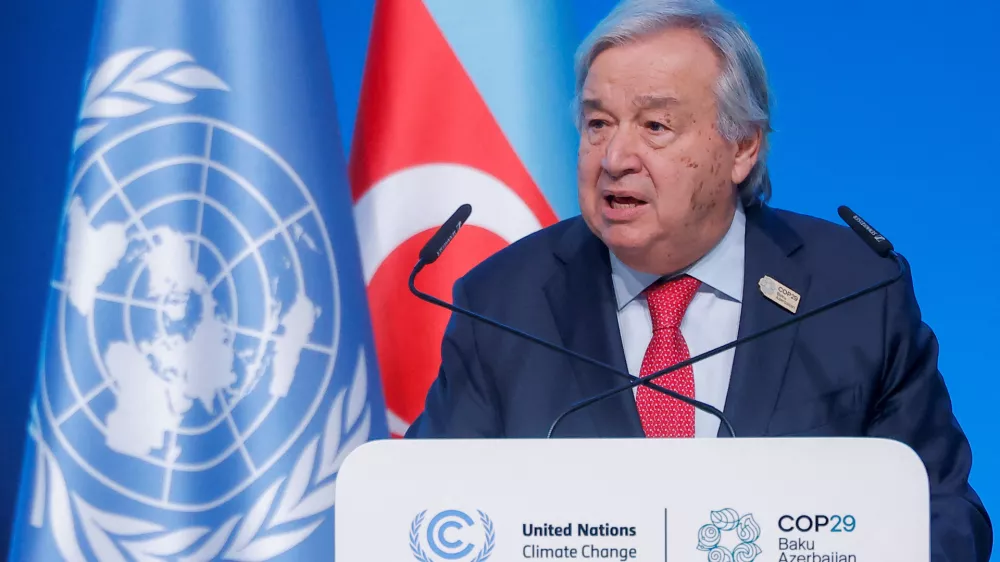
641, 102
654, 102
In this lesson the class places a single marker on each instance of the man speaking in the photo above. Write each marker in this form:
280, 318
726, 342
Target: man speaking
676, 253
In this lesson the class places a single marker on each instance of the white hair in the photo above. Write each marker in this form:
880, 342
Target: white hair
742, 91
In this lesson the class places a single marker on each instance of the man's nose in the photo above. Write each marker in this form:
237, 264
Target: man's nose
620, 158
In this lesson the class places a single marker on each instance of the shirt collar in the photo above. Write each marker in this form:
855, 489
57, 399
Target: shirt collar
721, 269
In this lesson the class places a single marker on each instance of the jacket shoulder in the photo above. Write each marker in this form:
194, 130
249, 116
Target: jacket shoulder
834, 253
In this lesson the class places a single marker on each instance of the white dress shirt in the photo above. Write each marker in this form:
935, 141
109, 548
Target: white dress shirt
712, 319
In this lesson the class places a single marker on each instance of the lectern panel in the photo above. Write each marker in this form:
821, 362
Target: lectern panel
720, 500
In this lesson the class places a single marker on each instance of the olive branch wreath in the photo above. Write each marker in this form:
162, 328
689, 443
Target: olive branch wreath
133, 81
307, 491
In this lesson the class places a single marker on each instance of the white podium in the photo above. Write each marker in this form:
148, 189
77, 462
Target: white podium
721, 500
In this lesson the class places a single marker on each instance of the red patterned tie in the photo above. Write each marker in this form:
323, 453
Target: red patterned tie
661, 415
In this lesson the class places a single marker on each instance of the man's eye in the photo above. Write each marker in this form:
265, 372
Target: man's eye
656, 126
596, 123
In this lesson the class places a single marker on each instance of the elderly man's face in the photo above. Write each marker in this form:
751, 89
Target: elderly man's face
657, 181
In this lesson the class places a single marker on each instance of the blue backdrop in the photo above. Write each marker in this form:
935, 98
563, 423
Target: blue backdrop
887, 106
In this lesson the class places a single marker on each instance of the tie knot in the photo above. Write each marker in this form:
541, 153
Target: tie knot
668, 301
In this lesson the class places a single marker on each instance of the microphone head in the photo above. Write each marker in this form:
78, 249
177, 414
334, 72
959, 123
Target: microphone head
872, 237
434, 247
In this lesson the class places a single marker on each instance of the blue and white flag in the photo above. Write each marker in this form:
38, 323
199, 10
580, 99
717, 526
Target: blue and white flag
207, 362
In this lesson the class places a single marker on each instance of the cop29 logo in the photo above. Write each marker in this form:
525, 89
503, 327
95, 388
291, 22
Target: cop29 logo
730, 537
453, 536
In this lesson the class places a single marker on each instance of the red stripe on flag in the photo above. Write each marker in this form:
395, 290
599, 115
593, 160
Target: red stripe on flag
420, 115
419, 106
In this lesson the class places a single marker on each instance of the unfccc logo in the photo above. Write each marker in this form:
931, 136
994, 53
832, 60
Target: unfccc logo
450, 536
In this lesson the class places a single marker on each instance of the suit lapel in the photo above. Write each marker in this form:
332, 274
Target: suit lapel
583, 305
759, 367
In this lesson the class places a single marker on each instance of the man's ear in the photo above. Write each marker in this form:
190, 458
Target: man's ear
747, 153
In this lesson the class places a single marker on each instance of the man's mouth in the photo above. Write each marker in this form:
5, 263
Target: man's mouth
623, 202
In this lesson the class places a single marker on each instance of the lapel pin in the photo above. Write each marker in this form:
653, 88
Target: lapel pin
780, 294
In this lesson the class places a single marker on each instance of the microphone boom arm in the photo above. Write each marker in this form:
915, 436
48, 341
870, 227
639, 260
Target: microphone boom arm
635, 381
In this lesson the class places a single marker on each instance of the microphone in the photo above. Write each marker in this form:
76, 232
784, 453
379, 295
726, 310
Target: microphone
433, 249
871, 236
875, 241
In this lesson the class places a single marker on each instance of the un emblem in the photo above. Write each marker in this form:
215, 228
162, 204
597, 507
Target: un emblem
730, 537
194, 339
452, 535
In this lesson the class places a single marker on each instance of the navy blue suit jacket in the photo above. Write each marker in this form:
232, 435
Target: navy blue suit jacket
868, 368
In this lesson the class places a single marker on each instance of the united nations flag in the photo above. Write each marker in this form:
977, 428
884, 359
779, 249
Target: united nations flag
207, 361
